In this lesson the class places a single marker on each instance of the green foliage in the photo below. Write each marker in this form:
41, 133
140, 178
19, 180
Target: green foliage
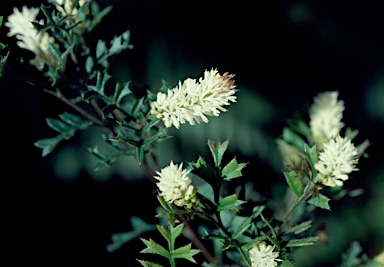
172, 253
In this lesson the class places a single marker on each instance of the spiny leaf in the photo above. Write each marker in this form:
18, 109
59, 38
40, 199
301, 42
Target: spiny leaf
320, 201
243, 227
185, 252
149, 264
300, 227
154, 248
48, 144
232, 170
217, 150
230, 203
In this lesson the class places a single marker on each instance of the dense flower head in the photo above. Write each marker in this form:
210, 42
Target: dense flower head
325, 116
336, 161
262, 255
66, 7
191, 101
20, 25
175, 186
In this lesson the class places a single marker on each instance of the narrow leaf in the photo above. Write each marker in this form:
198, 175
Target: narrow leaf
307, 241
149, 264
300, 227
243, 227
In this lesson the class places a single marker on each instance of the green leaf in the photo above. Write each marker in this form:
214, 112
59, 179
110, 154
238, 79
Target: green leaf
294, 182
185, 252
230, 203
47, 14
311, 154
121, 90
217, 150
140, 154
351, 258
149, 264
107, 110
320, 201
154, 248
243, 227
299, 228
158, 135
139, 226
293, 138
89, 63
247, 246
101, 48
287, 263
66, 130
256, 211
232, 170
75, 121
98, 15
48, 144
171, 233
1, 20
307, 241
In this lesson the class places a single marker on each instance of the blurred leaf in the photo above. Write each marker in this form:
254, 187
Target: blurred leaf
66, 130
351, 257
149, 264
139, 226
287, 263
294, 182
48, 144
75, 121
293, 138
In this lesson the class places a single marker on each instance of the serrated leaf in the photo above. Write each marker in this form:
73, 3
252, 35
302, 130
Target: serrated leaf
230, 203
243, 227
185, 252
149, 264
247, 246
217, 150
48, 144
294, 182
320, 201
311, 154
297, 229
232, 170
154, 248
307, 241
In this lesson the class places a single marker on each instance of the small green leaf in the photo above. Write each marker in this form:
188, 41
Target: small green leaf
101, 48
232, 170
247, 246
66, 130
1, 20
121, 90
217, 150
48, 144
203, 170
185, 252
75, 121
320, 201
230, 203
307, 241
154, 248
158, 135
294, 182
256, 211
149, 264
89, 63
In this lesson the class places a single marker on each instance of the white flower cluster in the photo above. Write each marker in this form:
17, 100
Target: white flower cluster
262, 255
191, 101
338, 159
66, 7
175, 186
20, 25
325, 117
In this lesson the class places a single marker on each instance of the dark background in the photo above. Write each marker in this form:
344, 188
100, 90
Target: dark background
59, 212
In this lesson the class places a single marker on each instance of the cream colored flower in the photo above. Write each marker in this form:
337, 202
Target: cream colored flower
262, 255
338, 159
191, 101
175, 186
325, 116
20, 26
